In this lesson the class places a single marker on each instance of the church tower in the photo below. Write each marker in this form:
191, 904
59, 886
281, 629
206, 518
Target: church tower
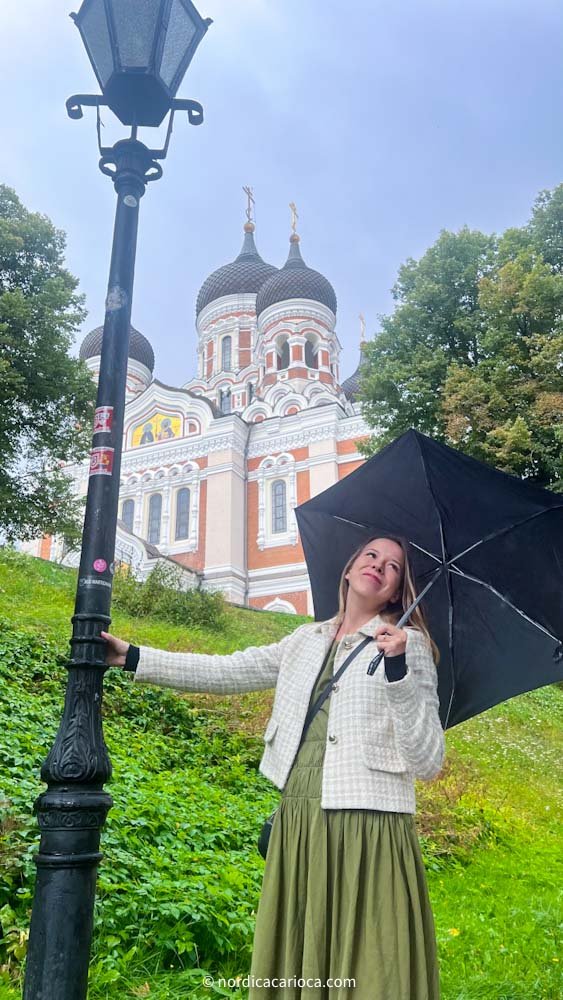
212, 469
296, 315
226, 326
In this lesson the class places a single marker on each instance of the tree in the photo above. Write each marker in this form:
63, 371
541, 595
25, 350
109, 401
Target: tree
437, 323
46, 396
508, 409
473, 354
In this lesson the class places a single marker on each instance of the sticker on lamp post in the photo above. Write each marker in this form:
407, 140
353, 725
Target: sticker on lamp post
103, 419
101, 462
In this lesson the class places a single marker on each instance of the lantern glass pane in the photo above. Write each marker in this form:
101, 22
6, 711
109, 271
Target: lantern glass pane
136, 23
94, 27
179, 37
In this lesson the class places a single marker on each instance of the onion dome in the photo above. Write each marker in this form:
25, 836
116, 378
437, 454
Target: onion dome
244, 275
351, 385
139, 347
295, 281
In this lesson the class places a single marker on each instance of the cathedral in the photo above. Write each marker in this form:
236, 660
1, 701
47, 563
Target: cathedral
212, 469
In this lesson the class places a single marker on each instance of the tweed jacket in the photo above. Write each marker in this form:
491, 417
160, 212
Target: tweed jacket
381, 735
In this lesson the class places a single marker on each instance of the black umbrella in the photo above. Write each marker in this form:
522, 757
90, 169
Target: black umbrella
490, 544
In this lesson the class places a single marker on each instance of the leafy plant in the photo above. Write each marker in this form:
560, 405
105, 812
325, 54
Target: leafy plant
180, 879
162, 595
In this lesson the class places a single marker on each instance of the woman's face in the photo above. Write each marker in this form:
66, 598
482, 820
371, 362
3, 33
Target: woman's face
377, 573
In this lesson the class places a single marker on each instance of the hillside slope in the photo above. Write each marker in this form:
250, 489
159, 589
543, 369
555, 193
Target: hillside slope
181, 876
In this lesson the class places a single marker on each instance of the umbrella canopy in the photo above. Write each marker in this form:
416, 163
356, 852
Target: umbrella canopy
493, 544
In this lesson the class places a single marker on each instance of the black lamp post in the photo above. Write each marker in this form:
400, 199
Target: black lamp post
140, 52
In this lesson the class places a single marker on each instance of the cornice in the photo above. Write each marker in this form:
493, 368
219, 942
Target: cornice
180, 452
244, 302
266, 439
267, 444
298, 308
351, 427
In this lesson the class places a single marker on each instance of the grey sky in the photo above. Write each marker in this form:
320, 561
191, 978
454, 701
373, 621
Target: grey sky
384, 122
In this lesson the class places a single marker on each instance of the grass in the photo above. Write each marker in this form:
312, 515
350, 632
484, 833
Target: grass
489, 826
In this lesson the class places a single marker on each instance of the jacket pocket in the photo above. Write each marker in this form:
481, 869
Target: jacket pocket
270, 730
380, 757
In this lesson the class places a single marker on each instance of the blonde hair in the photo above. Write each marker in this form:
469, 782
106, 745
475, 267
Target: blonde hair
393, 612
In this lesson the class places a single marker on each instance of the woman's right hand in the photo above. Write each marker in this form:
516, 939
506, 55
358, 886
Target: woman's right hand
116, 650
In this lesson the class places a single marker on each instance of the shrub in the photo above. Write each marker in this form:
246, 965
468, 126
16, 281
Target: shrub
162, 595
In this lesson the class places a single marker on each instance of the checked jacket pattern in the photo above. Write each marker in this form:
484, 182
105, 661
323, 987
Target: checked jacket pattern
381, 735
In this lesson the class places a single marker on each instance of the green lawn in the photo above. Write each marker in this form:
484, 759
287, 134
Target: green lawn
181, 875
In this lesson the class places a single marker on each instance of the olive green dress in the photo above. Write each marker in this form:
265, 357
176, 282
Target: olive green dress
344, 895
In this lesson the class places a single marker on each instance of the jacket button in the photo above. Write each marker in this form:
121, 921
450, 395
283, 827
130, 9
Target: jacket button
335, 687
348, 643
332, 738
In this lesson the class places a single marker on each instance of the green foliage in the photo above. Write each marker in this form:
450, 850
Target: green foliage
181, 876
473, 353
162, 596
180, 879
436, 324
46, 396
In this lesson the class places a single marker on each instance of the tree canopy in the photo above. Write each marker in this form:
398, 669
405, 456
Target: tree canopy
46, 396
473, 353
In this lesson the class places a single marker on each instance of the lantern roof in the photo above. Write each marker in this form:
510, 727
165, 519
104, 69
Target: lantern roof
140, 51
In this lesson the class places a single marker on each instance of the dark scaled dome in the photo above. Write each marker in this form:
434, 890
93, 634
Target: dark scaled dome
295, 281
245, 274
351, 385
139, 347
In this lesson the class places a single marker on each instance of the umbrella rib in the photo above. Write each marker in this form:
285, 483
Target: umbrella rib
358, 524
361, 524
450, 601
426, 553
459, 572
502, 531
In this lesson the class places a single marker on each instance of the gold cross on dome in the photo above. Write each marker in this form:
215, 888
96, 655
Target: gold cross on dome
250, 202
294, 216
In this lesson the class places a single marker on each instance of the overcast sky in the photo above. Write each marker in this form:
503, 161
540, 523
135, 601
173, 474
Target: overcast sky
384, 120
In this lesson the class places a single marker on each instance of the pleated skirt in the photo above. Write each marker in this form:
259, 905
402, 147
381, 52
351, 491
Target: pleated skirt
344, 912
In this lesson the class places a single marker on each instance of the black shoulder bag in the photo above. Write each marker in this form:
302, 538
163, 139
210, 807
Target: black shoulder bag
264, 838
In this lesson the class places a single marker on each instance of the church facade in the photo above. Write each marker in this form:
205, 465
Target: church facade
212, 469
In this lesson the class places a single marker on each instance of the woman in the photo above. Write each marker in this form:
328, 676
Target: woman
344, 894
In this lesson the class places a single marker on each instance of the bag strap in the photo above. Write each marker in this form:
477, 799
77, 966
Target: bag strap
324, 694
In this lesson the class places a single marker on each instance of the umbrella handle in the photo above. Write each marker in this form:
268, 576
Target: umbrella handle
375, 663
403, 621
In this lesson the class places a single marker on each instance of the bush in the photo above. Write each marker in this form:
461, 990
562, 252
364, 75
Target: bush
181, 874
161, 596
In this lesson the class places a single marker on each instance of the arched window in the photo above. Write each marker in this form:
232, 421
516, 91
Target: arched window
155, 512
225, 400
182, 514
279, 506
128, 514
311, 357
226, 354
283, 356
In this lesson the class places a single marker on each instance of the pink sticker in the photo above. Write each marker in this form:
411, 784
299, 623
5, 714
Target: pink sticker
100, 565
103, 419
101, 461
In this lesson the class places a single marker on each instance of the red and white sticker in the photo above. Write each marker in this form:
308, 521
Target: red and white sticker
103, 419
101, 462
